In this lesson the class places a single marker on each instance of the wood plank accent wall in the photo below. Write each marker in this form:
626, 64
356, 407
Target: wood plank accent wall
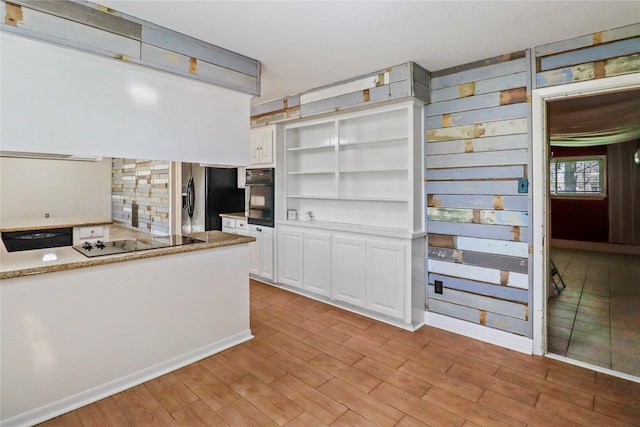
602, 54
103, 31
141, 185
398, 82
477, 147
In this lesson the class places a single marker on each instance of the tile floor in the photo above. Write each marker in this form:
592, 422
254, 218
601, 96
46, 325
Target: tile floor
596, 319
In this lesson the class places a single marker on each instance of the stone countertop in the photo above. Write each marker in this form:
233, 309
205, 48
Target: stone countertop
24, 263
43, 223
240, 215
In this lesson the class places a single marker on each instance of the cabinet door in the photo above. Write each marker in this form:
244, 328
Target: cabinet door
386, 273
266, 146
317, 262
266, 252
254, 252
255, 147
348, 269
290, 256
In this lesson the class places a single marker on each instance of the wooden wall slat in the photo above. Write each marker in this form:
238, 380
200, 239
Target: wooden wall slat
463, 174
493, 305
495, 143
505, 323
482, 73
477, 201
486, 158
473, 187
621, 33
493, 246
53, 28
478, 216
504, 112
478, 130
483, 231
480, 288
596, 53
494, 84
500, 262
481, 274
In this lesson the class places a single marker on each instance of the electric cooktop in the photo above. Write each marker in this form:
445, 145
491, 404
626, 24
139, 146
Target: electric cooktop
99, 248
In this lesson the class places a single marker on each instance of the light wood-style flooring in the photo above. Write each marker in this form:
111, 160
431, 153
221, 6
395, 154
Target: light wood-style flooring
312, 364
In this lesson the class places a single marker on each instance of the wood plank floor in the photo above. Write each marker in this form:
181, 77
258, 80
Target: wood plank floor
312, 364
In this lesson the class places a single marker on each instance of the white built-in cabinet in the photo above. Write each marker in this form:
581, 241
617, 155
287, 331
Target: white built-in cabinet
262, 145
360, 174
359, 168
261, 258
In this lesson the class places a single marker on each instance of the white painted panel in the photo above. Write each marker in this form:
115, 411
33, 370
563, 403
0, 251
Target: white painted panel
90, 105
466, 271
498, 247
72, 337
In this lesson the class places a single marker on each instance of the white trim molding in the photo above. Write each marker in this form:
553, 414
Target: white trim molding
479, 332
540, 234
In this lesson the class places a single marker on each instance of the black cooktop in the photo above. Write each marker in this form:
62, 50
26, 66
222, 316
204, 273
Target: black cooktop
99, 248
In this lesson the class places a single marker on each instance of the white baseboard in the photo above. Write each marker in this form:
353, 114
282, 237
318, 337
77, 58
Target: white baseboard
86, 397
479, 332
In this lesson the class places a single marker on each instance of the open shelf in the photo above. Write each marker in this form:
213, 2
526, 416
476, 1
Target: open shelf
356, 167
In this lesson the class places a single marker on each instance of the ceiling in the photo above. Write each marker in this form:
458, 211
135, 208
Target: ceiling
595, 120
307, 44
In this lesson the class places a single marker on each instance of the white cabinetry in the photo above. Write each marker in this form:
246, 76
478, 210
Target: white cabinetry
290, 256
261, 252
262, 152
91, 233
386, 277
234, 225
348, 276
317, 262
360, 168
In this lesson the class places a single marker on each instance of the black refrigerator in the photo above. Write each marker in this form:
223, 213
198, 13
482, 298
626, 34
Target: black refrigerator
222, 195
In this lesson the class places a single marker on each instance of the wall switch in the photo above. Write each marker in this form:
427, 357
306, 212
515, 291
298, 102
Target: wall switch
437, 286
523, 185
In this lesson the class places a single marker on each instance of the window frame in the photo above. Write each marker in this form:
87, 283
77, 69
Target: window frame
602, 194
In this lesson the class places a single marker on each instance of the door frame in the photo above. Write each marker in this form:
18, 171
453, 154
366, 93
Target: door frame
541, 234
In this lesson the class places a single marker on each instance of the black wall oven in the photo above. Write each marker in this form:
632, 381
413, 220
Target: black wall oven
260, 196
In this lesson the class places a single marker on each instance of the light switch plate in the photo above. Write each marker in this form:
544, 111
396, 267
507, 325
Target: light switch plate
523, 185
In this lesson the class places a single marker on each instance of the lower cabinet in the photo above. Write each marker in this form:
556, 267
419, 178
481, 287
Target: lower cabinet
316, 249
362, 270
261, 261
348, 275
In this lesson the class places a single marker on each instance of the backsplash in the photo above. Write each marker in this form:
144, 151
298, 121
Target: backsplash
145, 184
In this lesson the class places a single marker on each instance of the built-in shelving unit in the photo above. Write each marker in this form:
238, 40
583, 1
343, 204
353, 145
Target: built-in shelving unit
356, 168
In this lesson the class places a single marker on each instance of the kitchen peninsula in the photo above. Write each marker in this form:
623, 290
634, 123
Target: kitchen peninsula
78, 329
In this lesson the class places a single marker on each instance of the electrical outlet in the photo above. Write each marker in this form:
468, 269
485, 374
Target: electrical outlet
437, 286
46, 215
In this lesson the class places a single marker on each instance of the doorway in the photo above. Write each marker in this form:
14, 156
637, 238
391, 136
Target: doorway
541, 230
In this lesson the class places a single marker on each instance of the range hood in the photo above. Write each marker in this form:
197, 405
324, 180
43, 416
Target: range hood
49, 156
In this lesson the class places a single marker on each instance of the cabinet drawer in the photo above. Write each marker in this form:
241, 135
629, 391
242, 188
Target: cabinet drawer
241, 225
91, 232
228, 222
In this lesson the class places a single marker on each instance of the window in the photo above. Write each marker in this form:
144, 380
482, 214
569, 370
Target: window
578, 176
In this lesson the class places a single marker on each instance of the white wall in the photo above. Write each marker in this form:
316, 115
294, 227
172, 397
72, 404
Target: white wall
60, 100
29, 188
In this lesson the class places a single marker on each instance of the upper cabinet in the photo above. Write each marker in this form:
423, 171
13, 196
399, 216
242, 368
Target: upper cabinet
262, 146
361, 168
